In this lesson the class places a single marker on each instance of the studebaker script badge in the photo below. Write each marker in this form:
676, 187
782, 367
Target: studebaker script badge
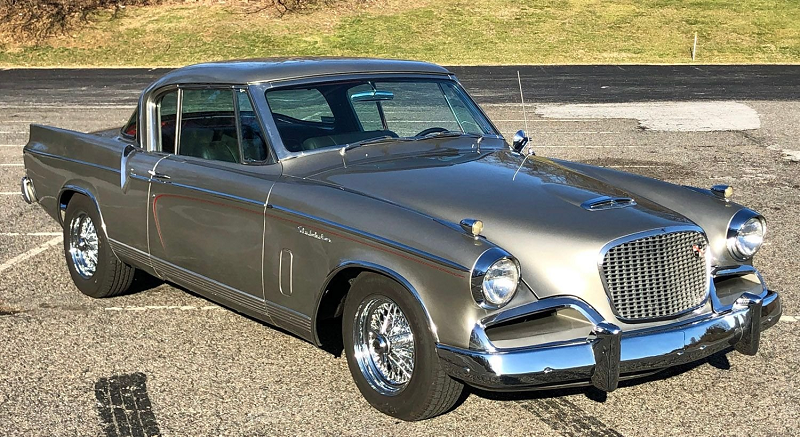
313, 234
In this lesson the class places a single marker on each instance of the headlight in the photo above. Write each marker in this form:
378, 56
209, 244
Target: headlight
494, 278
746, 234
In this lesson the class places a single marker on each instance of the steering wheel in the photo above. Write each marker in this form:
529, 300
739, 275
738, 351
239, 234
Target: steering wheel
431, 130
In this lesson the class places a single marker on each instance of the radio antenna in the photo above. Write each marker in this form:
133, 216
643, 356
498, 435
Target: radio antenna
522, 100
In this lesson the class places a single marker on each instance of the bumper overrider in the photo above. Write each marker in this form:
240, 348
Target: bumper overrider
609, 354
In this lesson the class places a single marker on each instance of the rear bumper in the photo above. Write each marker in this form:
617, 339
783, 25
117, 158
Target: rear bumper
609, 354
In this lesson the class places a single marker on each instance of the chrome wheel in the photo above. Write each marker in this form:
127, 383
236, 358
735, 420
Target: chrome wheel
83, 245
384, 345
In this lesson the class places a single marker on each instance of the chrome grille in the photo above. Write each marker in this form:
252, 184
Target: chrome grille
656, 276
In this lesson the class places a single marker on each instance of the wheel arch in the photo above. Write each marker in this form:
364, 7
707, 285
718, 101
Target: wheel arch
330, 302
67, 193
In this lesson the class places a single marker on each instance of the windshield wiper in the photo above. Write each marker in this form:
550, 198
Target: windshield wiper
447, 134
369, 141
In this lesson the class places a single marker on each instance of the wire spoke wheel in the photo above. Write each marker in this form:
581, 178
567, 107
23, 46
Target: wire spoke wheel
384, 345
83, 245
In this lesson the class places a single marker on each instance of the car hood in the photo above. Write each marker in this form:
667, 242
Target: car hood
532, 210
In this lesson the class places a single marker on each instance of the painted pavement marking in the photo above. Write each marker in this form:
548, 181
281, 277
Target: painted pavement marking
31, 253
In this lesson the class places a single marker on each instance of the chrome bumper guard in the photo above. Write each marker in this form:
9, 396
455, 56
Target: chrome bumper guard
608, 354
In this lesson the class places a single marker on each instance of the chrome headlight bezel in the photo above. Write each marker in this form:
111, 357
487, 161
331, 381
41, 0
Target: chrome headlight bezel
484, 264
739, 220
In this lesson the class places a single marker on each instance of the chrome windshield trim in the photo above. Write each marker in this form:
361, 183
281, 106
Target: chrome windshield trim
399, 246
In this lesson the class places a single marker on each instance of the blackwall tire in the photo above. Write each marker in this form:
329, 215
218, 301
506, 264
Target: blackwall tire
428, 391
95, 270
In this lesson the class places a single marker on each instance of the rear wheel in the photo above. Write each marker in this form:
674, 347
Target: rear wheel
93, 267
391, 353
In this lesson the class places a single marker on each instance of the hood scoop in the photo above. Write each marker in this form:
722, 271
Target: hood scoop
607, 202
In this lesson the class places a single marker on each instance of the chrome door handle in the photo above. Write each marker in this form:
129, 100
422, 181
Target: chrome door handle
157, 175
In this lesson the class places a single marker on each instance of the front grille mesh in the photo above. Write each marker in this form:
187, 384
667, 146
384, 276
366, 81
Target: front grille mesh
656, 276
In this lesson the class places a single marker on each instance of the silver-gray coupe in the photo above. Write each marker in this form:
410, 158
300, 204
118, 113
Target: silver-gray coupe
371, 207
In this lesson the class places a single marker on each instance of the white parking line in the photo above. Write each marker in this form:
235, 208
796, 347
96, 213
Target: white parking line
790, 319
9, 193
12, 165
12, 145
31, 253
165, 307
634, 166
29, 234
576, 132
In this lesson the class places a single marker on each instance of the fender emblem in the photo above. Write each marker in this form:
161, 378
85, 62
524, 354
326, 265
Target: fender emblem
313, 234
698, 250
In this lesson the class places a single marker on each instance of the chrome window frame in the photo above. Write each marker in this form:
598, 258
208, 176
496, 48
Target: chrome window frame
259, 89
149, 118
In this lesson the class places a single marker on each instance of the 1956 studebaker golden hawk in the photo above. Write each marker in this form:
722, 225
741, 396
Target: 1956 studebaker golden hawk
370, 206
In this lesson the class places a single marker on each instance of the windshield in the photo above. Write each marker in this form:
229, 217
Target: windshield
336, 114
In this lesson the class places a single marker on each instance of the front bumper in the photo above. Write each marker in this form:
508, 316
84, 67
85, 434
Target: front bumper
608, 354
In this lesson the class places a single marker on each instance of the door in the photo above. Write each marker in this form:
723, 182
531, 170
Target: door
208, 200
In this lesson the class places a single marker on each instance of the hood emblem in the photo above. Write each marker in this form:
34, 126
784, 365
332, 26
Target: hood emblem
698, 250
607, 202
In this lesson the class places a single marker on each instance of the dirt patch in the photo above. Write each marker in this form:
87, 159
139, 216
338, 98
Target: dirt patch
7, 310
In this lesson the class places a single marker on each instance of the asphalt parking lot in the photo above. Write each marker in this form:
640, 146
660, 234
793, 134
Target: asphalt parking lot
185, 366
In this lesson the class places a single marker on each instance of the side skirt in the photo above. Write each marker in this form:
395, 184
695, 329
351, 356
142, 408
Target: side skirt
269, 312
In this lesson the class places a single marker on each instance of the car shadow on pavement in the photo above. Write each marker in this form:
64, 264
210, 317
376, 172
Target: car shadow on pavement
718, 360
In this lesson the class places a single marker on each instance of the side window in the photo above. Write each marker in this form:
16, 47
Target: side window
368, 113
300, 104
131, 128
208, 125
254, 148
167, 109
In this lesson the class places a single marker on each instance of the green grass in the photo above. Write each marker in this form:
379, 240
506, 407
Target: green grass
447, 32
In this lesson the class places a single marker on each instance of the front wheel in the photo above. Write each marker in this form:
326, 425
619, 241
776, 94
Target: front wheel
93, 267
391, 353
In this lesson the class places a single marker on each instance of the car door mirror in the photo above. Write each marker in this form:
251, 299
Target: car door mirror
519, 141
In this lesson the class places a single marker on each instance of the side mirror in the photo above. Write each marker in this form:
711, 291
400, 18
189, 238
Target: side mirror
123, 166
519, 141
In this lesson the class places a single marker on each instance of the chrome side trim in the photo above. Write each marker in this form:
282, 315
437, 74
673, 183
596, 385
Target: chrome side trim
373, 237
128, 252
73, 160
217, 194
277, 315
208, 286
289, 319
375, 268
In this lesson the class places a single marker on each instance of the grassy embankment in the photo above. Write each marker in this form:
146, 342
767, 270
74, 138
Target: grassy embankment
460, 32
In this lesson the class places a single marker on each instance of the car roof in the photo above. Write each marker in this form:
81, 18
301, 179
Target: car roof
247, 71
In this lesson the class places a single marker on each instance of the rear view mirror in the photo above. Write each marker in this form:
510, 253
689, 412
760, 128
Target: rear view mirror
372, 96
